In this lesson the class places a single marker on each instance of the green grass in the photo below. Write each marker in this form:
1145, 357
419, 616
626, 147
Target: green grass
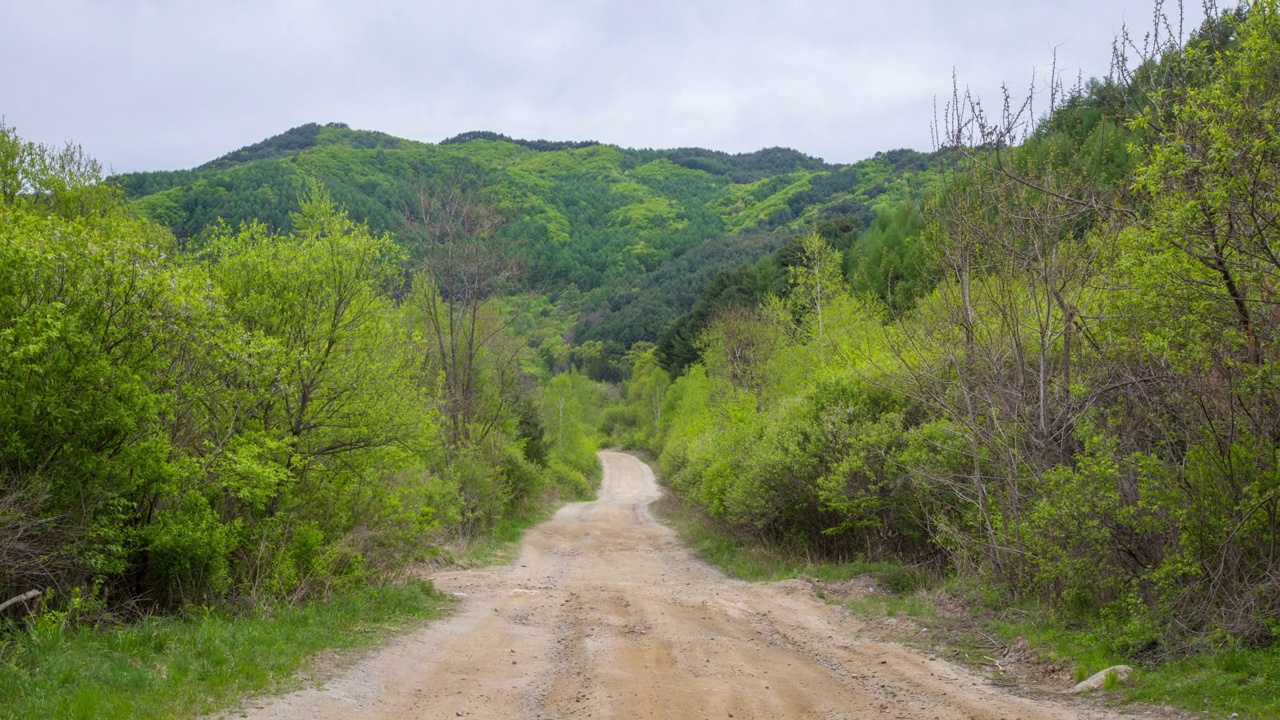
915, 607
207, 660
754, 562
1240, 681
186, 666
501, 545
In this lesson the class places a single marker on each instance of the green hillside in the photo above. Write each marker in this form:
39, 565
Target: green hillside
599, 217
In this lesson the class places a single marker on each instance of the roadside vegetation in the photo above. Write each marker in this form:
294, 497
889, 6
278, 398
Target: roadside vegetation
249, 443
1025, 644
1049, 384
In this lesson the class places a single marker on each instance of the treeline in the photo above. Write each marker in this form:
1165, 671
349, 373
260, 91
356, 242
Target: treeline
263, 420
1057, 375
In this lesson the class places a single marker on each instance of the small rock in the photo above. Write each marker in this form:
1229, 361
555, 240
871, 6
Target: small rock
1098, 679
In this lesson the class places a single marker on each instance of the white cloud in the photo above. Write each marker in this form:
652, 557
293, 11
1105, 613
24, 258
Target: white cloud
149, 84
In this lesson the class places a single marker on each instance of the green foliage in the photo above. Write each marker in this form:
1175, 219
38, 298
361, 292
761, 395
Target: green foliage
1227, 679
890, 259
746, 559
636, 422
749, 206
286, 143
571, 413
816, 283
622, 225
1055, 373
744, 168
65, 181
771, 437
92, 325
748, 284
345, 405
258, 421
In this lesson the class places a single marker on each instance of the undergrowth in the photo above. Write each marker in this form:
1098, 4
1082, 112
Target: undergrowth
1216, 681
756, 562
200, 662
501, 545
207, 660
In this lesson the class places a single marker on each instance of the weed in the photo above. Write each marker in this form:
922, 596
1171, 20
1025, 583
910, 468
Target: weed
501, 545
1110, 681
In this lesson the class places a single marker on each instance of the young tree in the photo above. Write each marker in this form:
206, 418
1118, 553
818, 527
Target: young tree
465, 262
739, 349
314, 470
647, 390
817, 278
1205, 279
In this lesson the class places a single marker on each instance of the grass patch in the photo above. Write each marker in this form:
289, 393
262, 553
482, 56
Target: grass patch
755, 562
199, 663
1220, 681
1240, 681
915, 607
208, 660
501, 545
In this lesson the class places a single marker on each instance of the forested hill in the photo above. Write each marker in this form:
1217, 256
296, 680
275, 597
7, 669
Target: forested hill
590, 215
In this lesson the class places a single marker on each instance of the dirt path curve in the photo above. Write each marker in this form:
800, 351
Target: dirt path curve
606, 615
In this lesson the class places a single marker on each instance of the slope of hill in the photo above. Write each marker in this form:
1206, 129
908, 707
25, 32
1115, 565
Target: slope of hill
599, 217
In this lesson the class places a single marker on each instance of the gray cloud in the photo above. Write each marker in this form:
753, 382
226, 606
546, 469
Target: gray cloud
152, 84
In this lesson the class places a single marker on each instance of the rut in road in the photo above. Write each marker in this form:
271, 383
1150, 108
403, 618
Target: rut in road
606, 615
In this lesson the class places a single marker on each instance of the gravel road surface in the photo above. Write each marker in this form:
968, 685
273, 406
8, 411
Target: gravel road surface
607, 615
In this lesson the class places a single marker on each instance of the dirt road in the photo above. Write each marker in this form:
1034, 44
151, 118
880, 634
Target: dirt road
606, 615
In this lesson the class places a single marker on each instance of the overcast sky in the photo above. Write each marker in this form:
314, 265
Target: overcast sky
163, 84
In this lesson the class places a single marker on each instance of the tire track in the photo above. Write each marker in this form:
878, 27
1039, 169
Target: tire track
606, 615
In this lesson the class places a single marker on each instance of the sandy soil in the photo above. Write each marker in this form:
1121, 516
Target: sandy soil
606, 615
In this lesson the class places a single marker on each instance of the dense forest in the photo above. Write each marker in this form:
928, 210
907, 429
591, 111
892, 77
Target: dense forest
636, 233
1043, 359
1055, 374
263, 418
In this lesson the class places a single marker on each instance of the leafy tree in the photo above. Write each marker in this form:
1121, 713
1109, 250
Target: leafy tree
890, 259
816, 280
1069, 390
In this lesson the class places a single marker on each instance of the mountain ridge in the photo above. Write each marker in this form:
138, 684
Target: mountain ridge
307, 135
594, 216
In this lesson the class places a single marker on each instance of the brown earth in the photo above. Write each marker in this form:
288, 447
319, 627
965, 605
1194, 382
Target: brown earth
606, 615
